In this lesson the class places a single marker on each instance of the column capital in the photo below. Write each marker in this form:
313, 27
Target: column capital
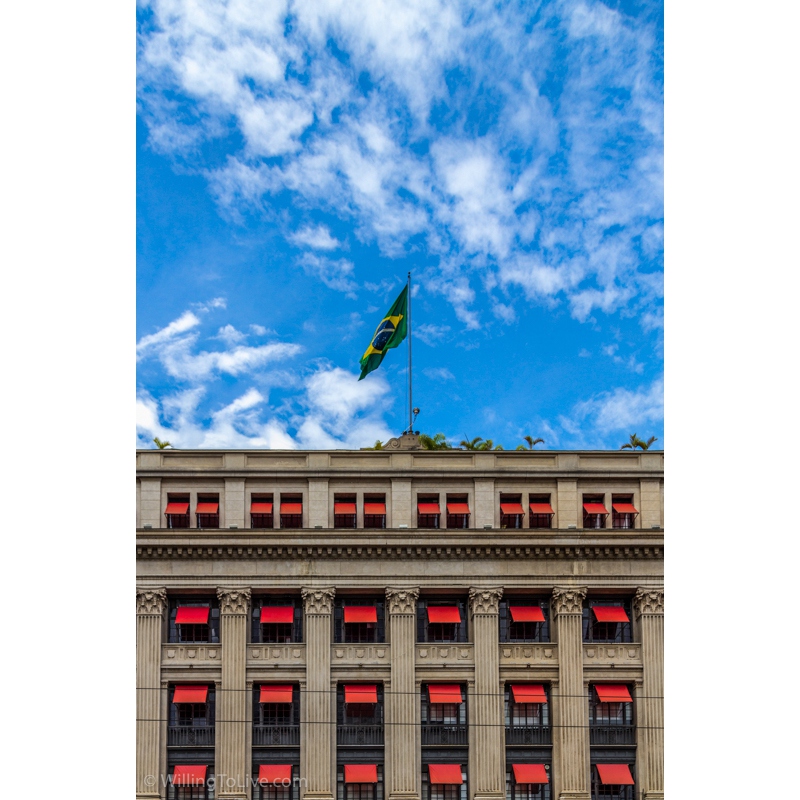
402, 599
318, 601
233, 601
649, 601
151, 602
485, 601
568, 599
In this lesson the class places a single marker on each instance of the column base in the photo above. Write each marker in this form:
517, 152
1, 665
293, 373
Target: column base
317, 796
148, 796
240, 795
489, 796
402, 796
654, 795
574, 796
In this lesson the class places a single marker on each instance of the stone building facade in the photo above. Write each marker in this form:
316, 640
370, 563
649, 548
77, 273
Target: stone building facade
399, 625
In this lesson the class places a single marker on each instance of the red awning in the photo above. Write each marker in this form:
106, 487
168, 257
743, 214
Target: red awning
445, 773
360, 614
458, 508
207, 508
511, 508
529, 693
530, 773
526, 614
613, 693
360, 773
344, 508
374, 508
610, 614
617, 774
361, 693
189, 774
277, 614
192, 615
274, 773
190, 694
444, 614
291, 508
275, 693
428, 508
594, 508
261, 507
541, 508
445, 693
177, 508
624, 508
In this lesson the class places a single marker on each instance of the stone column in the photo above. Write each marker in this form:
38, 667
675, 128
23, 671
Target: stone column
150, 605
232, 759
572, 718
320, 724
487, 731
649, 609
401, 704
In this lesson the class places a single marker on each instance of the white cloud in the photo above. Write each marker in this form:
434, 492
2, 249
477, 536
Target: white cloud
259, 330
334, 274
230, 335
439, 374
185, 322
430, 334
317, 237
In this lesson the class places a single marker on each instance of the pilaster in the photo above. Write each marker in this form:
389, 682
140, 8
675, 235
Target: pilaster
150, 605
487, 731
232, 767
402, 742
319, 742
233, 504
484, 513
649, 610
318, 503
401, 505
571, 712
567, 504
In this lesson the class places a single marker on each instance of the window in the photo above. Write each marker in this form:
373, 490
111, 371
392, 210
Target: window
613, 781
190, 782
261, 511
359, 714
360, 781
511, 511
444, 714
276, 620
541, 512
358, 620
276, 715
177, 511
441, 621
276, 782
291, 511
524, 620
607, 621
193, 621
191, 716
623, 511
428, 511
457, 511
344, 511
527, 781
611, 714
594, 511
444, 781
375, 511
527, 714
207, 511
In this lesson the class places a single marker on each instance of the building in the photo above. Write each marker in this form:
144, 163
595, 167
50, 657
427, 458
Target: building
399, 624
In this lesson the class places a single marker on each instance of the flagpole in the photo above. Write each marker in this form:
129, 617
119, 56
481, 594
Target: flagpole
410, 416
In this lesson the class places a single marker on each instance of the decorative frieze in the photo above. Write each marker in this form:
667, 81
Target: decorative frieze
568, 600
649, 601
151, 601
485, 601
318, 601
233, 601
402, 600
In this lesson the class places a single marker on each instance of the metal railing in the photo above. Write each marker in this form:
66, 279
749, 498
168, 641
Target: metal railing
276, 735
367, 735
612, 734
187, 736
534, 734
444, 734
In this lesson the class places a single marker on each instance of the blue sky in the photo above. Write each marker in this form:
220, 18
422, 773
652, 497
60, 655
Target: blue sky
296, 160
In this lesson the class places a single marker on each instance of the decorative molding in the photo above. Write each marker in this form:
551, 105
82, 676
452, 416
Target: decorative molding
512, 655
402, 599
318, 601
604, 654
648, 601
485, 601
151, 602
455, 654
568, 599
233, 601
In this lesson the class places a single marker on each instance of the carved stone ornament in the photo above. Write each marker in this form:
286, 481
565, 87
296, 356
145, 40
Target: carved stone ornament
151, 601
568, 600
402, 600
649, 601
233, 601
485, 601
318, 601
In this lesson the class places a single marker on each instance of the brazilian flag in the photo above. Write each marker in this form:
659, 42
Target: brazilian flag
388, 334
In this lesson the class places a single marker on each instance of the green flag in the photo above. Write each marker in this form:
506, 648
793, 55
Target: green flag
390, 332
